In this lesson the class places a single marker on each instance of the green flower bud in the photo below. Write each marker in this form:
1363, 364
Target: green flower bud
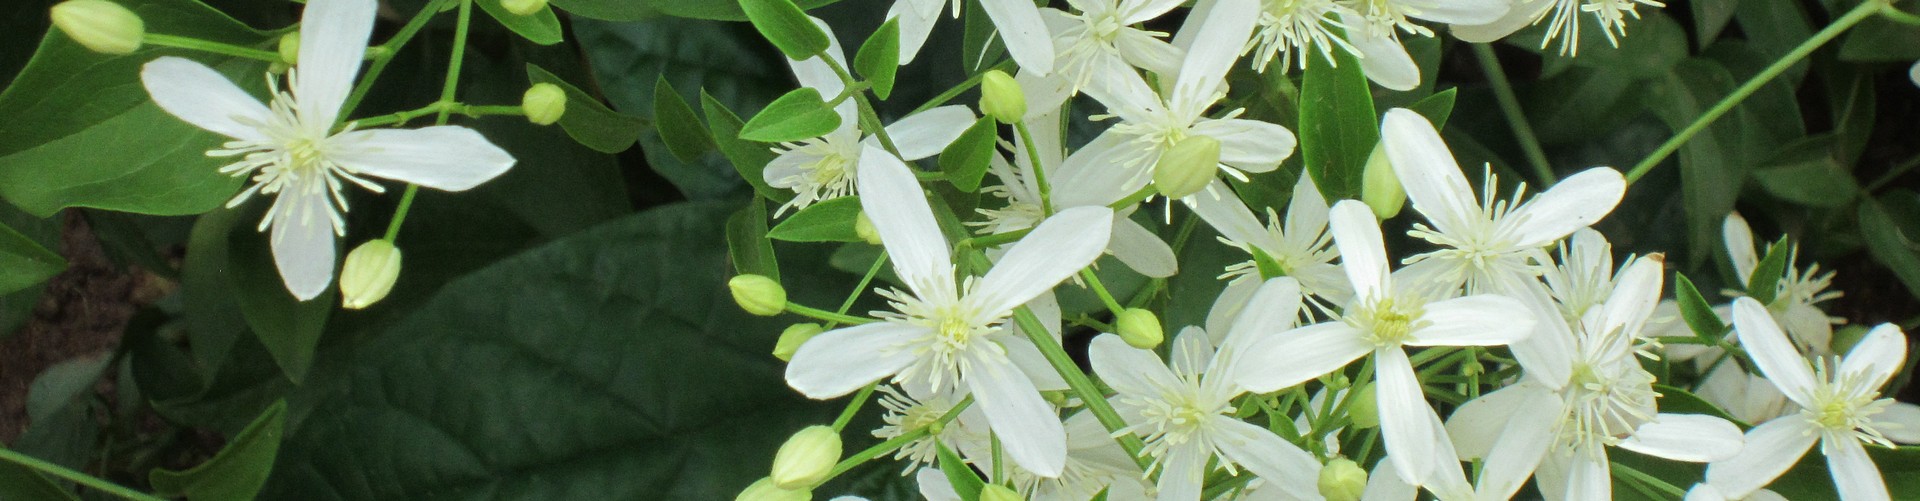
1379, 187
1364, 410
765, 490
997, 492
758, 294
804, 461
544, 103
100, 25
523, 7
1001, 97
368, 274
1139, 328
290, 48
792, 338
1187, 167
1342, 480
863, 227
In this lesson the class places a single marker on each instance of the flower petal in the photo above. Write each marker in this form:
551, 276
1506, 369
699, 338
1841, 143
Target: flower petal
1027, 357
1739, 238
1024, 32
1854, 474
1227, 27
1363, 255
1589, 476
445, 157
1548, 353
203, 97
814, 73
1142, 250
1900, 422
925, 134
915, 25
891, 198
1274, 308
1384, 60
1479, 320
1056, 249
1183, 472
1404, 426
1693, 438
1385, 484
302, 239
1456, 11
1426, 168
1229, 305
934, 485
842, 360
1876, 357
1281, 360
1523, 14
1476, 425
1634, 296
1574, 203
1776, 357
1028, 428
333, 41
1248, 145
1192, 353
1283, 465
1129, 370
1521, 444
1230, 217
1771, 448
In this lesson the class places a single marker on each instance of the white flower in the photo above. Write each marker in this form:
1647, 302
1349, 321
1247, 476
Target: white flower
1705, 492
823, 168
948, 334
1584, 277
1185, 412
1100, 42
906, 412
1018, 23
1490, 243
1610, 14
1839, 407
1302, 247
290, 148
1746, 397
1374, 27
1797, 295
1094, 463
1586, 393
1133, 244
1290, 26
1381, 320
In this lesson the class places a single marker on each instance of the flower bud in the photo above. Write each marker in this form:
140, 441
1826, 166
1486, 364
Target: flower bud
1364, 410
758, 294
368, 274
100, 25
863, 227
1001, 97
523, 7
1187, 167
1380, 187
1139, 328
997, 492
806, 458
544, 103
792, 338
765, 490
290, 48
1342, 480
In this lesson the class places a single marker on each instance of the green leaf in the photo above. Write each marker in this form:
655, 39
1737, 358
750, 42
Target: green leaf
1437, 107
1712, 168
24, 263
237, 471
678, 126
1806, 173
965, 481
20, 482
1890, 245
1767, 275
749, 158
1879, 39
1776, 28
826, 221
588, 121
289, 328
1338, 128
1696, 311
788, 27
540, 27
798, 115
747, 242
965, 160
1709, 17
1680, 401
879, 58
64, 429
1268, 266
635, 10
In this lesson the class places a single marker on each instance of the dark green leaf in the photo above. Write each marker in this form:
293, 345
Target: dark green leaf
1695, 310
678, 126
1881, 40
20, 482
24, 263
798, 115
965, 160
1437, 108
635, 10
1776, 28
1709, 17
237, 471
788, 27
1767, 275
1806, 173
1711, 163
64, 429
588, 121
1891, 246
965, 481
540, 27
1680, 401
289, 328
747, 242
748, 157
1338, 128
879, 58
827, 221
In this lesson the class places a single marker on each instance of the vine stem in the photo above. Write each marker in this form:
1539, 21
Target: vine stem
181, 42
1853, 17
1039, 171
76, 477
824, 315
384, 53
883, 448
868, 119
447, 88
1510, 106
1082, 386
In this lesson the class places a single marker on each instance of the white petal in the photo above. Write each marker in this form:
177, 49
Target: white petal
1230, 217
1476, 425
1634, 296
934, 485
1274, 308
1283, 465
842, 360
1878, 355
1739, 238
1693, 438
1548, 353
1029, 430
1276, 361
1100, 172
1229, 305
1589, 477
1409, 438
1138, 49
1027, 357
1025, 34
1061, 246
1522, 443
891, 198
1456, 11
203, 97
1248, 145
1900, 422
1045, 94
1228, 25
1306, 211
1142, 250
814, 73
924, 134
915, 25
1426, 168
1526, 12
1385, 484
1914, 73
1574, 203
1129, 370
1771, 448
333, 41
302, 240
1362, 253
445, 157
1854, 474
1383, 59
1182, 473
1481, 320
1777, 358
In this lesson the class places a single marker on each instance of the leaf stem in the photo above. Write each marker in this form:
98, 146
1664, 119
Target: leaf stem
853, 407
1510, 106
868, 119
226, 49
819, 314
1648, 480
74, 476
383, 53
861, 287
1039, 171
449, 107
969, 83
882, 448
447, 88
1081, 385
1100, 289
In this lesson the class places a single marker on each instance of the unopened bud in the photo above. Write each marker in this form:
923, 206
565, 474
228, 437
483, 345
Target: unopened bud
792, 338
368, 274
1139, 328
758, 294
523, 7
1380, 187
100, 25
290, 48
997, 492
1187, 167
1364, 411
804, 461
765, 490
1342, 480
1001, 97
863, 227
544, 103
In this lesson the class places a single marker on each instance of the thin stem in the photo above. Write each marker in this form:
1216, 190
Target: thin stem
447, 87
1081, 385
986, 241
383, 54
969, 83
1100, 289
853, 407
819, 314
1649, 480
74, 476
1865, 10
1510, 106
861, 287
400, 213
1900, 16
868, 119
470, 110
883, 448
1039, 171
190, 43
1892, 174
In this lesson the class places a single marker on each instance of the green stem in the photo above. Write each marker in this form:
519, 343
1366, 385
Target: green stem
969, 83
869, 120
1900, 16
383, 53
861, 287
400, 213
469, 110
988, 241
853, 407
883, 448
1865, 10
1039, 171
74, 476
1510, 106
1100, 289
210, 46
1081, 385
1649, 480
819, 314
447, 87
